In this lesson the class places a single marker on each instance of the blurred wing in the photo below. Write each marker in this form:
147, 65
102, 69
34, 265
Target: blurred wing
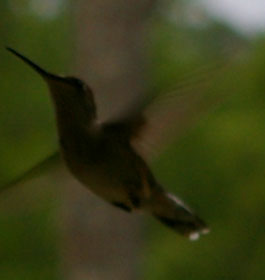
131, 121
38, 169
170, 116
129, 124
150, 122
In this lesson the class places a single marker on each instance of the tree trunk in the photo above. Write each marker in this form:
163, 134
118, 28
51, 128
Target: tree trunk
102, 242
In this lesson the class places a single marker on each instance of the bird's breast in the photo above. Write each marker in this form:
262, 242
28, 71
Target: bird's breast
109, 169
99, 172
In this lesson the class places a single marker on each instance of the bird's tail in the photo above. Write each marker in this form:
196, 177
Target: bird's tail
172, 212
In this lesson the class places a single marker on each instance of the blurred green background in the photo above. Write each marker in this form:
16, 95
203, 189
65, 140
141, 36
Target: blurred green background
217, 165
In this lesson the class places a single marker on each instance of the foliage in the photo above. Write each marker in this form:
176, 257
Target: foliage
218, 165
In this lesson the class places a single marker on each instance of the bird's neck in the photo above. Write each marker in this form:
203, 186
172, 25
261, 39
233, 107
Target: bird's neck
72, 118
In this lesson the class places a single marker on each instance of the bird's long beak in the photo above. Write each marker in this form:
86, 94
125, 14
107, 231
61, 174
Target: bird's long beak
48, 77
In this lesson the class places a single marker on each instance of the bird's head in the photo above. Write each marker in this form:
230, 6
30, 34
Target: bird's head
67, 92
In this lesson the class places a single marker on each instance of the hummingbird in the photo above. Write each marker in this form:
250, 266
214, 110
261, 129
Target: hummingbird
101, 156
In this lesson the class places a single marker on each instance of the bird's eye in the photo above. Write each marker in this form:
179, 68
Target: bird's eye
75, 82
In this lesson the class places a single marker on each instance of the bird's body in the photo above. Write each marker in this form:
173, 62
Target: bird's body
101, 156
97, 155
108, 167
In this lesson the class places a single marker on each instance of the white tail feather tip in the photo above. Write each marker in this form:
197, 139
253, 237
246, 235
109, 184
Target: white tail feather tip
194, 236
205, 231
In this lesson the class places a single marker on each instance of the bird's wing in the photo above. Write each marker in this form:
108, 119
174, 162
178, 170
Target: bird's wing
39, 168
151, 121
